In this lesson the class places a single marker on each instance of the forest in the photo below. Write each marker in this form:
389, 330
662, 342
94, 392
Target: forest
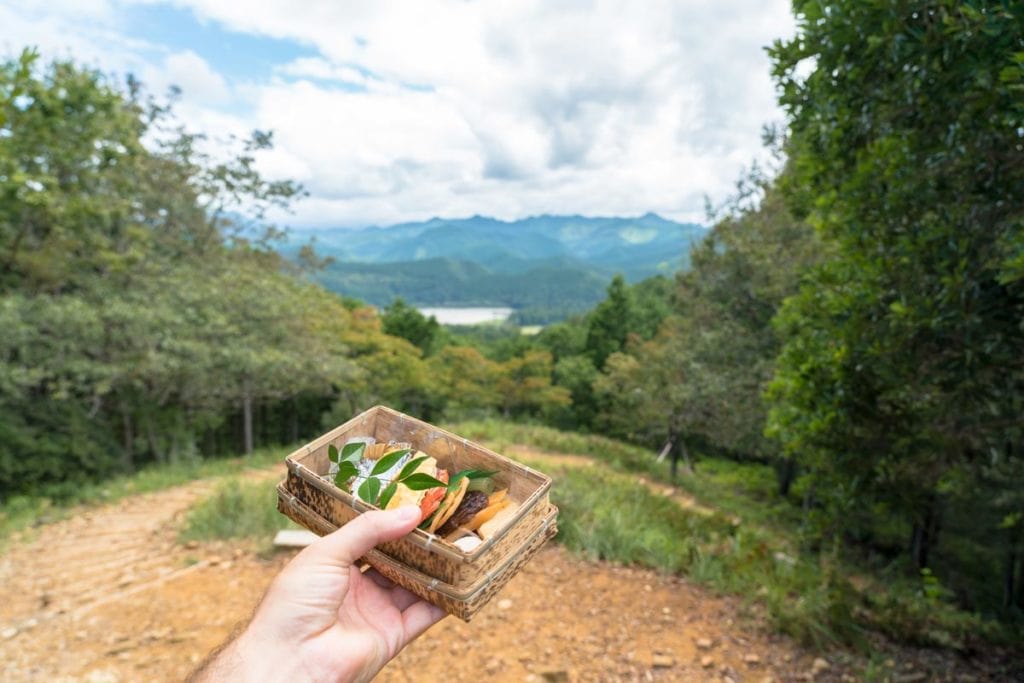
854, 319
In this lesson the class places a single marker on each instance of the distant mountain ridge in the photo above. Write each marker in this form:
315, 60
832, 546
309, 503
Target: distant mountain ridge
542, 262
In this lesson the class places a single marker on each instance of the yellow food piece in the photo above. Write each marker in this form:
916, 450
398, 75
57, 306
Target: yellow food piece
487, 513
449, 505
498, 521
406, 496
497, 497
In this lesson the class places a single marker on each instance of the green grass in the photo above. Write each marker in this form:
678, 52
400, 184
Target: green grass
808, 595
22, 512
236, 510
746, 490
607, 515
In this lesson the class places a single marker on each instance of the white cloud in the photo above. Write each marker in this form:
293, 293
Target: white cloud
198, 82
442, 107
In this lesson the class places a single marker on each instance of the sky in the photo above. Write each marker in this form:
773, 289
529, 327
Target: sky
394, 111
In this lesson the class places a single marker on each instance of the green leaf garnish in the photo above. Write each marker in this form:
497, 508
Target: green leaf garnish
410, 467
369, 490
352, 452
387, 494
346, 471
421, 482
388, 461
332, 453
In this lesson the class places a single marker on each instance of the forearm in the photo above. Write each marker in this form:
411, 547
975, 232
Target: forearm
245, 656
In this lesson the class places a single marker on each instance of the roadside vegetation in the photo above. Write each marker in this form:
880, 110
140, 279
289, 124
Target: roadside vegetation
236, 510
21, 512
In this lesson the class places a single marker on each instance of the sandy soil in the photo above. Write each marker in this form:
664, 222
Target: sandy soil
108, 595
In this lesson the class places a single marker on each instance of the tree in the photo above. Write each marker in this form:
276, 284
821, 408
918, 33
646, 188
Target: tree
467, 380
525, 386
402, 320
142, 305
901, 371
610, 322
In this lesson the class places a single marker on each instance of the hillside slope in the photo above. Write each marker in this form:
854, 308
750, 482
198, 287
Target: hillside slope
546, 262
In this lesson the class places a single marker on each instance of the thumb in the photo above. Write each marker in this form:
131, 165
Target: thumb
350, 542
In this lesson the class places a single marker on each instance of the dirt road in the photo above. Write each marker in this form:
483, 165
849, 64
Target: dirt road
108, 595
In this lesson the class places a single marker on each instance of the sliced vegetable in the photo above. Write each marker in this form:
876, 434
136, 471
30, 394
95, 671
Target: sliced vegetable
449, 504
487, 514
484, 485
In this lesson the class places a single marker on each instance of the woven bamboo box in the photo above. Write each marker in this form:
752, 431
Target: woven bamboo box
421, 553
460, 602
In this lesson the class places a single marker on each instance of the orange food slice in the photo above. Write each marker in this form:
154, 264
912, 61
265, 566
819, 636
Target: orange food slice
432, 498
487, 513
449, 505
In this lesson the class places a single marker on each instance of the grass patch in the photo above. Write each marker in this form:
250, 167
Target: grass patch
607, 515
746, 490
809, 595
21, 512
236, 510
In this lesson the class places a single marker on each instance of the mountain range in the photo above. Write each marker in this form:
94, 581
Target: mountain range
544, 266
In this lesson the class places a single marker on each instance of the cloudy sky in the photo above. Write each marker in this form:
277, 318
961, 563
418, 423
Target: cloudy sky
395, 111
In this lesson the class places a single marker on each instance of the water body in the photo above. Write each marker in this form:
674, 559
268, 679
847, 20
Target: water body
467, 316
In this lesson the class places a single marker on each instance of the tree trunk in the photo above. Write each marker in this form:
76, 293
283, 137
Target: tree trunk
686, 455
154, 445
786, 474
1009, 577
293, 422
924, 535
677, 450
129, 440
247, 422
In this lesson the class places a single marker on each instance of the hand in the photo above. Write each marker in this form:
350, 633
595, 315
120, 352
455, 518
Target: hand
324, 620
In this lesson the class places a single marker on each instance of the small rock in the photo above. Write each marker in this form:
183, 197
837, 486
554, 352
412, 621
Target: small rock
728, 679
560, 676
912, 677
820, 665
768, 679
504, 604
192, 545
8, 633
704, 643
662, 661
707, 662
751, 659
492, 666
647, 587
666, 610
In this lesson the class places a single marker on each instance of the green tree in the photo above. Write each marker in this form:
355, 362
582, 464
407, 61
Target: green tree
525, 386
467, 380
402, 320
610, 323
902, 372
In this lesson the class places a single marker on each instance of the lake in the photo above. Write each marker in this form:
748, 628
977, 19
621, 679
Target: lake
467, 316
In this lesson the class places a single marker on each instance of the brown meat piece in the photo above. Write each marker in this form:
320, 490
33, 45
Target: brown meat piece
472, 503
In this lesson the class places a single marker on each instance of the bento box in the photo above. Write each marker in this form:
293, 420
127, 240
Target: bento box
425, 563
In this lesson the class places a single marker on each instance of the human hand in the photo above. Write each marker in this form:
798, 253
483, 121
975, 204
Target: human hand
324, 620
